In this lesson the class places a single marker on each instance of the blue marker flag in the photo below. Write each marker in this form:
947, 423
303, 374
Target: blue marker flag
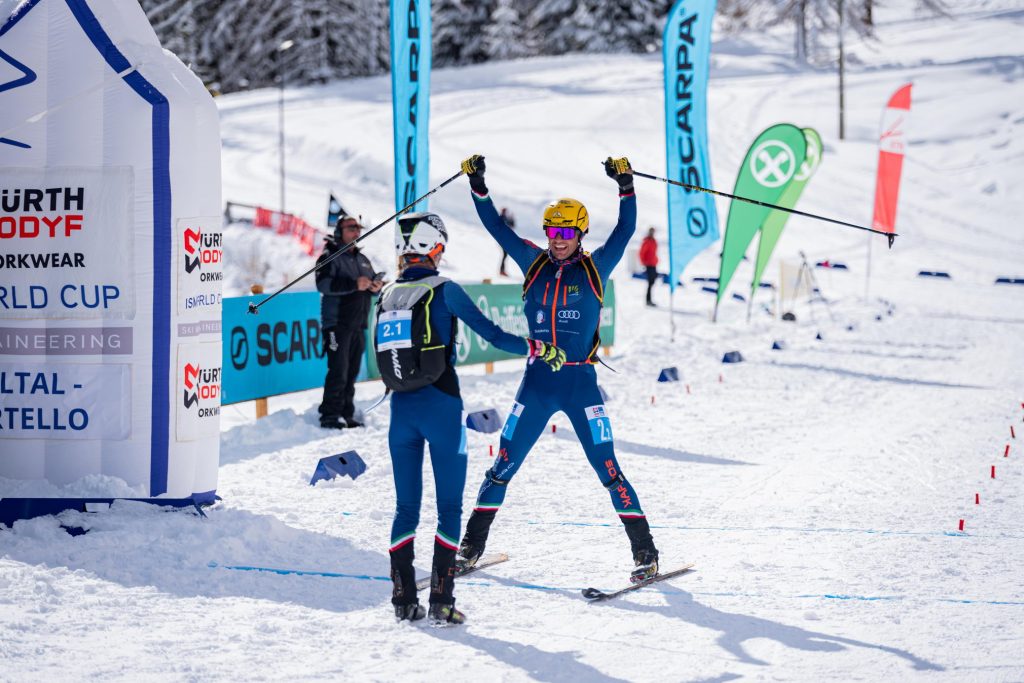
692, 219
410, 98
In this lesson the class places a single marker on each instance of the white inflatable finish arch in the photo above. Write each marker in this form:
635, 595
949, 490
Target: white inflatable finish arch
110, 259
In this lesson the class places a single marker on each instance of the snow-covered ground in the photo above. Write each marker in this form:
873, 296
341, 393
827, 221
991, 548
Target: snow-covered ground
818, 489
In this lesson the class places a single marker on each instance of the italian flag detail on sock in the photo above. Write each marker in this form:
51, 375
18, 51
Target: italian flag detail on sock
402, 540
444, 540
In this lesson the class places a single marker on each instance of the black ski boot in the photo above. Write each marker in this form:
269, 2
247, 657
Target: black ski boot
442, 588
403, 580
474, 541
413, 612
445, 615
645, 555
646, 565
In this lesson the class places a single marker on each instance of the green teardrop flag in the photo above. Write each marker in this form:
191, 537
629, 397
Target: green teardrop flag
776, 221
770, 164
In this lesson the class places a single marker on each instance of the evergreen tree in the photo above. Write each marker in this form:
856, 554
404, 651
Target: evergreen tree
505, 36
458, 31
547, 23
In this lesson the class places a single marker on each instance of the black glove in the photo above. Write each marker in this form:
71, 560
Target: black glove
474, 167
330, 339
621, 172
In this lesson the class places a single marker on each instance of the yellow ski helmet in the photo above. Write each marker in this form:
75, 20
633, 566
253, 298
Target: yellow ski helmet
567, 213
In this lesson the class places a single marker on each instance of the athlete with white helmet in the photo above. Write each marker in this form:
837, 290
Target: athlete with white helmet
414, 341
563, 293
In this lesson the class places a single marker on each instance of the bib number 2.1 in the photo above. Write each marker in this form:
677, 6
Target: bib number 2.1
394, 330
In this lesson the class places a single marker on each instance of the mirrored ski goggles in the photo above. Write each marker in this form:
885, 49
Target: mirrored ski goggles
560, 233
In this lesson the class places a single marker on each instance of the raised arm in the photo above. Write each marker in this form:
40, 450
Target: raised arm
607, 256
521, 251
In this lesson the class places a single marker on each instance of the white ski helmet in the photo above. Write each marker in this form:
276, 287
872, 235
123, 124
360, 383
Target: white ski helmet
421, 234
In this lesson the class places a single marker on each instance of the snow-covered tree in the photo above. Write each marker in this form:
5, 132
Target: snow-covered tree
458, 31
505, 35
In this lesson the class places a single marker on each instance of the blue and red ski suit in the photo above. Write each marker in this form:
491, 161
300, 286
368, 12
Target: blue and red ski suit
562, 307
433, 415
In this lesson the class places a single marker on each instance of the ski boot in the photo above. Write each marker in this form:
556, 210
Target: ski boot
445, 615
646, 565
474, 540
412, 612
467, 558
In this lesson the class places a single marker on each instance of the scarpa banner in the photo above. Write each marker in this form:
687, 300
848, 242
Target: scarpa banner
768, 167
410, 99
281, 350
110, 259
692, 218
276, 352
776, 220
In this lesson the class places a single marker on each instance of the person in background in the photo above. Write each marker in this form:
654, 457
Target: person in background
510, 221
649, 260
347, 285
414, 340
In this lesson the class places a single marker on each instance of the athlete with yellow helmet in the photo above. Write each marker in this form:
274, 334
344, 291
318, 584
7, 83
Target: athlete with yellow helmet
563, 293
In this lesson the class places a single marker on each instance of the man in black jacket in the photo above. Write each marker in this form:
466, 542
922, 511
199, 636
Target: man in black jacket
347, 284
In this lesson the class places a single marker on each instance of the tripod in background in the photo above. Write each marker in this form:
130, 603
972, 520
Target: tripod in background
814, 295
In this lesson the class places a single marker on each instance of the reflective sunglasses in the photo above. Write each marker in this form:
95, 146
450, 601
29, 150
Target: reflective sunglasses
554, 232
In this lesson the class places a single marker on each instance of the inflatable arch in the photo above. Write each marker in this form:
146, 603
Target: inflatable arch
110, 261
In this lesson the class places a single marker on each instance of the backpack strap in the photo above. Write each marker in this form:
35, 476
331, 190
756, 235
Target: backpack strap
593, 276
534, 271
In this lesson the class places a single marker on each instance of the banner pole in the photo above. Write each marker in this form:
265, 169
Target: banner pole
672, 313
867, 272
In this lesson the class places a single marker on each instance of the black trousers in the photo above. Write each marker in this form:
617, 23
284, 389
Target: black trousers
343, 363
652, 277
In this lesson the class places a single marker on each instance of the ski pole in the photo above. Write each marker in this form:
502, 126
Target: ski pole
891, 235
255, 307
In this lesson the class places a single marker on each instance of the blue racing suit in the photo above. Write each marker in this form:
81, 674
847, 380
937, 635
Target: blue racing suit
433, 415
562, 307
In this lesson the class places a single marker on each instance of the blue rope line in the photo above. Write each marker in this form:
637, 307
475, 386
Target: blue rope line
540, 587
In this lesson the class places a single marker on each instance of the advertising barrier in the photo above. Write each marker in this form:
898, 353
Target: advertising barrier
281, 349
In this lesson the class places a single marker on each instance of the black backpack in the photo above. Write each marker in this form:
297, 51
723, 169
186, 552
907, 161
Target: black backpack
410, 354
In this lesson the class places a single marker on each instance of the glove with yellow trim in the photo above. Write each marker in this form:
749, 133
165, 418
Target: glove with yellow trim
620, 170
548, 353
474, 167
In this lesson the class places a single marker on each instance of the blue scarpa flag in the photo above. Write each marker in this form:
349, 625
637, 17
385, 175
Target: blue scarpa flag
692, 219
410, 98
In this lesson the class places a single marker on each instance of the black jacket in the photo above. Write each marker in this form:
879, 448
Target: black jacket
342, 305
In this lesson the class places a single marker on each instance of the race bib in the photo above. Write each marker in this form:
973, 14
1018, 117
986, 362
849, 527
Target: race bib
394, 330
513, 419
600, 424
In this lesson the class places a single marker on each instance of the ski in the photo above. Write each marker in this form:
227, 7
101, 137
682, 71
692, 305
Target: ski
595, 595
488, 560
